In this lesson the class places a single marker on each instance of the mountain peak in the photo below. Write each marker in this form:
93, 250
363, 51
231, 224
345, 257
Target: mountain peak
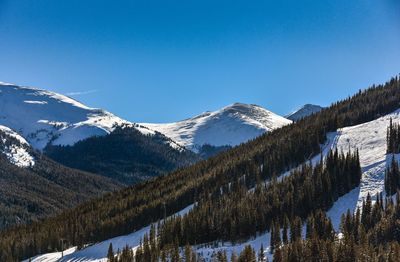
43, 117
228, 126
305, 110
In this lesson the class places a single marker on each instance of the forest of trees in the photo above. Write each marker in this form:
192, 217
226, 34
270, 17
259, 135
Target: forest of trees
262, 159
371, 235
29, 194
125, 155
239, 214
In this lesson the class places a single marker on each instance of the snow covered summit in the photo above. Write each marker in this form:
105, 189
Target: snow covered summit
231, 125
43, 117
304, 111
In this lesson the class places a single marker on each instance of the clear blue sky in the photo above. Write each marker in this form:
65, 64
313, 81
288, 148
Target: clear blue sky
159, 61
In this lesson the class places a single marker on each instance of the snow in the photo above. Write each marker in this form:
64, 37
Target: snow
304, 111
231, 125
16, 154
347, 202
52, 257
44, 117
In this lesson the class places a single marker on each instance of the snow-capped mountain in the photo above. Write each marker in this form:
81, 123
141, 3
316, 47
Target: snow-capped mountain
43, 117
15, 148
231, 125
304, 111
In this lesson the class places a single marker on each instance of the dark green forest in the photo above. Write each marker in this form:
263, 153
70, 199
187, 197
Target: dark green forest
31, 194
125, 155
263, 158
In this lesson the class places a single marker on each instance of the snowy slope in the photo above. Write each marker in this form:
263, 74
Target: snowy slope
304, 111
98, 252
370, 139
15, 148
42, 116
230, 125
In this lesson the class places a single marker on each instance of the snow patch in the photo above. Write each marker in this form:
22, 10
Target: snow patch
17, 154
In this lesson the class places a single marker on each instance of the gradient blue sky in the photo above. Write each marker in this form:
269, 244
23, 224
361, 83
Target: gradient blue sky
159, 61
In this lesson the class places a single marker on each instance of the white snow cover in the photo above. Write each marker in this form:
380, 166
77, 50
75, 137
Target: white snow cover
42, 116
231, 125
17, 154
304, 111
369, 138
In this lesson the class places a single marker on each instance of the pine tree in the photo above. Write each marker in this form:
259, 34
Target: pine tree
110, 253
261, 255
188, 253
247, 255
286, 223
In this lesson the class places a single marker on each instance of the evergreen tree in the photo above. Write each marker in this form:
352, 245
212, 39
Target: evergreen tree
110, 253
247, 255
261, 255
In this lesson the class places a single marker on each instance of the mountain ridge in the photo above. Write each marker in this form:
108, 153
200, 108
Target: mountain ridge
228, 126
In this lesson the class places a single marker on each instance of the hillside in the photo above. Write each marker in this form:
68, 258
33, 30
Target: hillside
34, 187
125, 155
215, 183
15, 148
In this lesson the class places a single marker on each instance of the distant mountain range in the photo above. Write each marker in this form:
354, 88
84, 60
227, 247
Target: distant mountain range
46, 118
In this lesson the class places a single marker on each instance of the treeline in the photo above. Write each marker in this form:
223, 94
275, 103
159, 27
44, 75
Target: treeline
370, 235
263, 158
145, 253
239, 214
